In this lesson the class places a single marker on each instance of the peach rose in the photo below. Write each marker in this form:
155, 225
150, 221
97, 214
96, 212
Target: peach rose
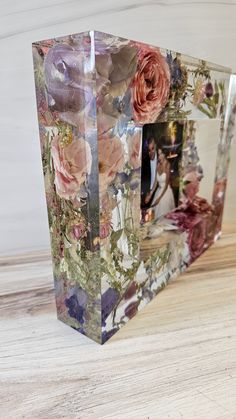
134, 147
110, 160
150, 86
72, 164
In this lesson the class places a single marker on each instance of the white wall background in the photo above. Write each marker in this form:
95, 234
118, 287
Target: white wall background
206, 140
202, 29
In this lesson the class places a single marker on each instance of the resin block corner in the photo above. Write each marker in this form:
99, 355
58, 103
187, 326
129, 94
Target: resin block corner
135, 146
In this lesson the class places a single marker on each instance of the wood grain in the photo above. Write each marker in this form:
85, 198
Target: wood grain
175, 359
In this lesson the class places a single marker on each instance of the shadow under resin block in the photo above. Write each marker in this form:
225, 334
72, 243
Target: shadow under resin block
135, 144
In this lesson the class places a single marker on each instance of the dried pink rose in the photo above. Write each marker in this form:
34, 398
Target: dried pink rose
79, 230
72, 164
110, 160
134, 147
150, 85
105, 229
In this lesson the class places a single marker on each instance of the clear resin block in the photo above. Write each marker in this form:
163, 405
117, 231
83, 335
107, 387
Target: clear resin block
135, 144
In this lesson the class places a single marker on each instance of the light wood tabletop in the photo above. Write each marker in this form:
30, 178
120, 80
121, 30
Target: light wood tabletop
175, 359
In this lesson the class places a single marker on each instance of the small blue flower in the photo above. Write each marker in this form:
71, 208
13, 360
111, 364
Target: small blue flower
121, 177
177, 76
74, 309
134, 179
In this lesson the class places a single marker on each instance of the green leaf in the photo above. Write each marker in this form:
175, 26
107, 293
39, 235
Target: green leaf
205, 111
216, 87
115, 236
208, 102
216, 98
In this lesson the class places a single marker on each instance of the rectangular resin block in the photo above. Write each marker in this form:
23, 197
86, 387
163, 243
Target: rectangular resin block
135, 144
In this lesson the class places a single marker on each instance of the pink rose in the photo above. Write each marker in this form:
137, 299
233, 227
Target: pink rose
72, 164
76, 229
150, 86
105, 229
79, 231
191, 185
134, 147
110, 160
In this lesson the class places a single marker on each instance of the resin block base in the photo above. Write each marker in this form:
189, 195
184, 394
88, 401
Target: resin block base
135, 144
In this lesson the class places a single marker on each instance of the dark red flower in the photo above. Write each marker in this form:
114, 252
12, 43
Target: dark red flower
209, 90
131, 290
195, 225
132, 309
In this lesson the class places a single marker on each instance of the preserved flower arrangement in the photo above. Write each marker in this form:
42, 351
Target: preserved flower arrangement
95, 94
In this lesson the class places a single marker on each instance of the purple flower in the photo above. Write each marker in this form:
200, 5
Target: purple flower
76, 304
107, 335
69, 88
121, 178
114, 72
177, 75
109, 300
134, 179
79, 329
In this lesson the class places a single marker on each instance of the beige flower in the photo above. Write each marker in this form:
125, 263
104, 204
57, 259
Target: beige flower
191, 185
72, 163
110, 160
134, 147
199, 92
